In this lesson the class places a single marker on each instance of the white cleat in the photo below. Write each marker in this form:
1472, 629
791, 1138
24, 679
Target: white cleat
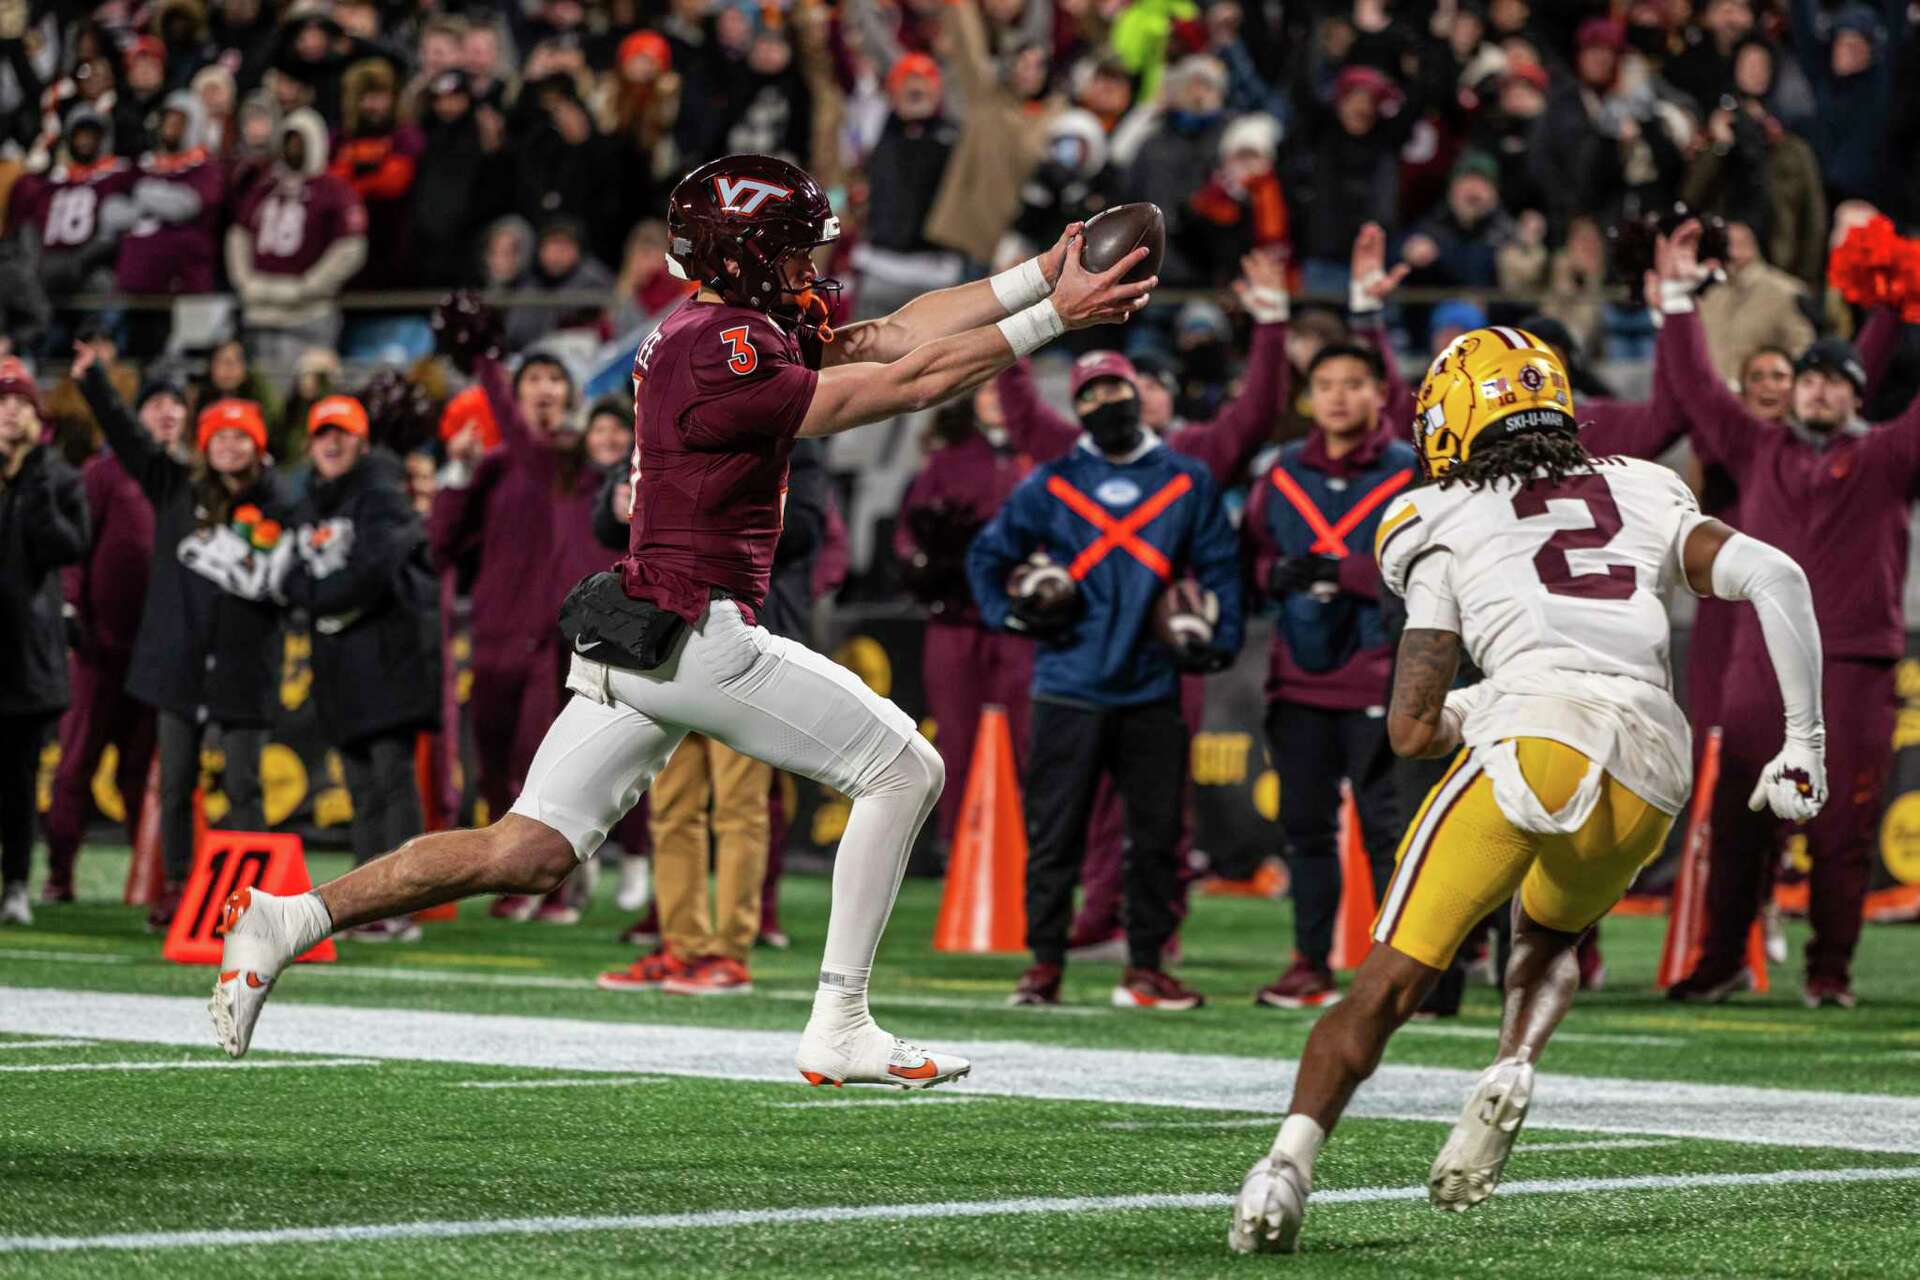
1468, 1167
14, 906
1270, 1207
257, 946
868, 1055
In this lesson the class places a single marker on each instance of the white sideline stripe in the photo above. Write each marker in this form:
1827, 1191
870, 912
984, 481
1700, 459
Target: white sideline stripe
555, 1084
80, 957
41, 1044
1590, 1104
193, 1064
829, 1104
1491, 1034
809, 1215
1600, 1144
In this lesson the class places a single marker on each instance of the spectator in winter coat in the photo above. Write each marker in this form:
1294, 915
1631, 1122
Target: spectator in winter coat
1460, 243
298, 236
1177, 158
1704, 71
1845, 55
43, 525
1343, 172
377, 155
1757, 306
455, 185
1607, 144
1753, 170
523, 516
207, 654
1072, 184
769, 109
61, 212
639, 106
359, 576
171, 245
107, 592
1504, 131
563, 165
895, 259
136, 99
561, 265
1241, 208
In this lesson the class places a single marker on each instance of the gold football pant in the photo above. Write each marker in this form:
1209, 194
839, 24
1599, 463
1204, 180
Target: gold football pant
1462, 857
702, 775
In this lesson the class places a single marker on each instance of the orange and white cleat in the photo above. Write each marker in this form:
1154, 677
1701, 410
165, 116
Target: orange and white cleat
258, 944
867, 1055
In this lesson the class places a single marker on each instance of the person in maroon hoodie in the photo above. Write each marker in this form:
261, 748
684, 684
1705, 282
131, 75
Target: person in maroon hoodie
174, 210
107, 592
525, 513
1835, 494
1225, 442
965, 666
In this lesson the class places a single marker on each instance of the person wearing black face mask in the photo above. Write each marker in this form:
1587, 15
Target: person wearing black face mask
1126, 515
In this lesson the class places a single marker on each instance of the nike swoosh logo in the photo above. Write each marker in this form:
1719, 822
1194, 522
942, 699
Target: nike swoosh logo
925, 1071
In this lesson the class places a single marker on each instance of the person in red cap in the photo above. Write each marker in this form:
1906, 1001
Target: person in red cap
358, 572
137, 96
1606, 142
207, 654
43, 525
1347, 172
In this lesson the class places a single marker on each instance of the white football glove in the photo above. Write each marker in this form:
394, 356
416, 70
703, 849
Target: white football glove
1794, 783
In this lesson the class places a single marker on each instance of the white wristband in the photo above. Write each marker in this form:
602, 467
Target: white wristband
1676, 297
1359, 301
1267, 306
1028, 330
1019, 287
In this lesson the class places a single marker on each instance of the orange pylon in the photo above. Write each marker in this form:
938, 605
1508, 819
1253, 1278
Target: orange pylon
983, 909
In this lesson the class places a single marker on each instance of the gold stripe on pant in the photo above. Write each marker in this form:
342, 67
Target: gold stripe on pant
710, 798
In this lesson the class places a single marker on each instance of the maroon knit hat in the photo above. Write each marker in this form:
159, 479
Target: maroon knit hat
15, 380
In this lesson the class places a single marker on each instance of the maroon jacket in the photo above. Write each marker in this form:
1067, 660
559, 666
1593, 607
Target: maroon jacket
109, 587
175, 257
1224, 442
1839, 505
961, 484
533, 539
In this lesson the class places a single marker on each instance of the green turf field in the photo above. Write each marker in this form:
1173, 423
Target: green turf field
472, 1103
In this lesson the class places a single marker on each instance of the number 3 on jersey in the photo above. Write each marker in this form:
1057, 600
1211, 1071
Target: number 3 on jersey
1616, 581
741, 357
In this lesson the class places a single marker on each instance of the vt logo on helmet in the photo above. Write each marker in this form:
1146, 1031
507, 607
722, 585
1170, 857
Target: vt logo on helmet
735, 225
1488, 385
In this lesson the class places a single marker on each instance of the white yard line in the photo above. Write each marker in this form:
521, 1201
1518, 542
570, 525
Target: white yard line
1593, 1104
194, 1064
79, 957
592, 1082
1600, 1144
41, 1044
807, 1215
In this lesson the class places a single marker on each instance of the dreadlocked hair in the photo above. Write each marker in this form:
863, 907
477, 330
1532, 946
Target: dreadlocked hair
1527, 458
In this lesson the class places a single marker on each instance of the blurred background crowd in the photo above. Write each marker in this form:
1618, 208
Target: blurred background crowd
255, 205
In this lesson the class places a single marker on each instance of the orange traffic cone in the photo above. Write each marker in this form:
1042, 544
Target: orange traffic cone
1686, 915
1757, 956
1353, 922
984, 909
432, 815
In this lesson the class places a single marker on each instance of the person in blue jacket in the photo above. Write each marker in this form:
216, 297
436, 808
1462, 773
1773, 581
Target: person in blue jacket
1125, 516
1310, 526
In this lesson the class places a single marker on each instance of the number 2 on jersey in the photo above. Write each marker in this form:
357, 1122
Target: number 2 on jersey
741, 357
1616, 582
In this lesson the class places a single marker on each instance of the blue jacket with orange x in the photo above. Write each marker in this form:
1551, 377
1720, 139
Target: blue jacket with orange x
1124, 528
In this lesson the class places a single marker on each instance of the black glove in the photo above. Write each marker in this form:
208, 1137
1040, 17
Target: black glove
1201, 659
465, 328
1300, 573
1043, 621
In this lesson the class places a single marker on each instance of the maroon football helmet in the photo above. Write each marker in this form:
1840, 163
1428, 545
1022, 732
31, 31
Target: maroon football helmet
754, 211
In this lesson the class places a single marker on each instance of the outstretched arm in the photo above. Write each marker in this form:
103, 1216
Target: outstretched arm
1721, 427
1732, 566
1232, 436
850, 395
1371, 284
946, 312
1034, 427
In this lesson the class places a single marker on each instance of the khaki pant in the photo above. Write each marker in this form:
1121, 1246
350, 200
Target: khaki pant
701, 775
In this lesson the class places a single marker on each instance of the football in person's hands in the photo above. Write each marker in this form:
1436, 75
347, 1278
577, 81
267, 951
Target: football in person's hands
1185, 615
1043, 592
1113, 235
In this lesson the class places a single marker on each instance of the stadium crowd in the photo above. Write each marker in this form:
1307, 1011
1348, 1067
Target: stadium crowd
227, 225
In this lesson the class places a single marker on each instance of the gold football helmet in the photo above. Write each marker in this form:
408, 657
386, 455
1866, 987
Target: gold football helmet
1488, 384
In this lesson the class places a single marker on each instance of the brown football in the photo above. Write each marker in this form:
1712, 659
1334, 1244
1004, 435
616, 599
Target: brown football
1051, 588
1185, 614
1113, 235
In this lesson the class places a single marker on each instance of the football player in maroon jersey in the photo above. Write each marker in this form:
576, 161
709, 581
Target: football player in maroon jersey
668, 644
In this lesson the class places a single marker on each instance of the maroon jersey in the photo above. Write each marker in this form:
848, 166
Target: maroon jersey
292, 222
64, 203
175, 257
720, 393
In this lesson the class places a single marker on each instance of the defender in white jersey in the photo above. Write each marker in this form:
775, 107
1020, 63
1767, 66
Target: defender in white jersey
1551, 568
